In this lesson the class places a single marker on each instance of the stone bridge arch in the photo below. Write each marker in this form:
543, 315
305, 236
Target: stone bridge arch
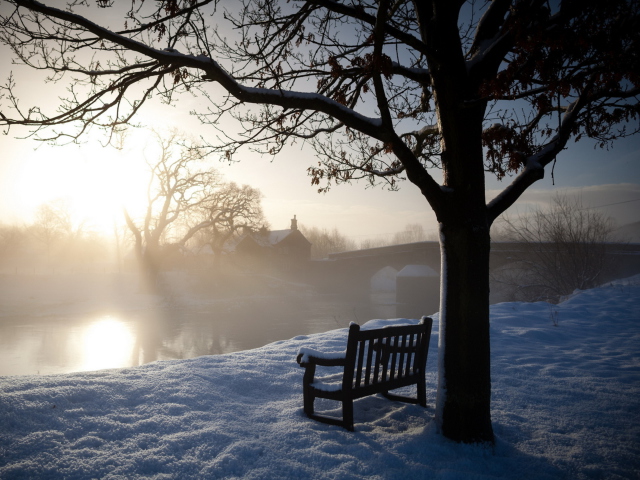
384, 280
355, 269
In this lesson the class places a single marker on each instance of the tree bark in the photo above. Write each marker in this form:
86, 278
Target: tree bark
463, 409
464, 385
149, 269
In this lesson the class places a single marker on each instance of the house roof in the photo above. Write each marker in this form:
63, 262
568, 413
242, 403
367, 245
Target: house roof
271, 238
276, 236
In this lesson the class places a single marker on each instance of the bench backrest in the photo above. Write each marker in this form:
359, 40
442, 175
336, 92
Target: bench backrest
385, 358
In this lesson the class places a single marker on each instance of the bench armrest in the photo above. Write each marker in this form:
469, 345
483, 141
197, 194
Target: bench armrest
308, 356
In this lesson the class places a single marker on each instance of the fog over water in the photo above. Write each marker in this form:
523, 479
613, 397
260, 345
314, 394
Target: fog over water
77, 317
77, 322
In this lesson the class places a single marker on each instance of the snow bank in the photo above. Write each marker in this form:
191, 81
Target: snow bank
565, 405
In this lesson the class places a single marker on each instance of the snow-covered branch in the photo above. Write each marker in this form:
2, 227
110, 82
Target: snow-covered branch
213, 71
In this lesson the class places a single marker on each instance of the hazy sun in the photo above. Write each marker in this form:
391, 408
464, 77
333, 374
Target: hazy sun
96, 183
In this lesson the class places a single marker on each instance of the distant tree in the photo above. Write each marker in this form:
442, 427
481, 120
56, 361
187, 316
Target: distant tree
383, 90
178, 191
413, 232
13, 240
232, 210
66, 242
185, 199
324, 242
52, 225
83, 248
564, 248
374, 243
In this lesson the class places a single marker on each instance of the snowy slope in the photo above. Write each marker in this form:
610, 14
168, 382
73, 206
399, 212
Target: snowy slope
566, 390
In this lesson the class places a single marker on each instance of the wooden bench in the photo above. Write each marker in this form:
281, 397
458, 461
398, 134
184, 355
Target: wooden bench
375, 361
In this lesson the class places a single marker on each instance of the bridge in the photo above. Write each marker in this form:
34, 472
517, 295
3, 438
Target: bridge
356, 268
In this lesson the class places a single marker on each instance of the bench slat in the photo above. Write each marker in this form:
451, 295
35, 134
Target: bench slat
402, 354
360, 360
378, 361
412, 348
385, 361
392, 370
369, 357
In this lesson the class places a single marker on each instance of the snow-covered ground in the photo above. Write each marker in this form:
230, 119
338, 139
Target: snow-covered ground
566, 404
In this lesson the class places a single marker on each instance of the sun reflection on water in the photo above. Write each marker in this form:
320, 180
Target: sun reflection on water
106, 343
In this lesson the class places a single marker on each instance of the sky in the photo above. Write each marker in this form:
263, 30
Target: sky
98, 181
564, 405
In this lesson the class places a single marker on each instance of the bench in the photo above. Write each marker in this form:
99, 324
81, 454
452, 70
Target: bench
375, 361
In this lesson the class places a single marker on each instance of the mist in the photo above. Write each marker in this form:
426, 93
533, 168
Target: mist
75, 300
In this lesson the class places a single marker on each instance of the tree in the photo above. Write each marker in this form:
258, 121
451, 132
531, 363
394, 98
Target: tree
324, 242
12, 243
233, 210
183, 200
177, 193
383, 91
564, 248
413, 232
66, 242
53, 224
373, 243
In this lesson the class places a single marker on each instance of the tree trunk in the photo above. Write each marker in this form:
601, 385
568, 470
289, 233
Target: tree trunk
463, 409
149, 270
217, 258
464, 383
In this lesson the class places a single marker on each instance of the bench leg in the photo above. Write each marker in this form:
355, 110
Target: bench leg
422, 391
308, 402
307, 394
347, 414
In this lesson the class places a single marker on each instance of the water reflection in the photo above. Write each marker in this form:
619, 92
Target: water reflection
62, 344
106, 343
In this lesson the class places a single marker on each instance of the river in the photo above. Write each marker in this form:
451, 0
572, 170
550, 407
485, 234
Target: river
65, 337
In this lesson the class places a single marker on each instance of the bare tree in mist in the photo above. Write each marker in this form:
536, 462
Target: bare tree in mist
232, 210
324, 242
13, 243
384, 91
374, 243
52, 242
564, 248
185, 199
178, 190
412, 232
52, 225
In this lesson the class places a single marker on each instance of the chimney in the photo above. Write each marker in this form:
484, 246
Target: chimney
294, 223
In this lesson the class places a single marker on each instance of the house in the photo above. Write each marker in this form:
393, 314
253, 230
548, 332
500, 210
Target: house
281, 249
